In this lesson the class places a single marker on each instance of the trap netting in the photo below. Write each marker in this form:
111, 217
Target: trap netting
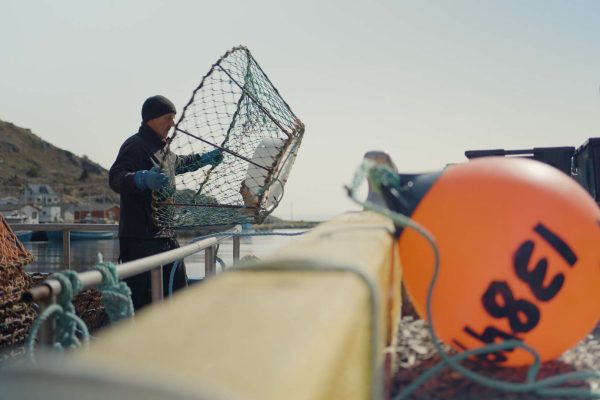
237, 110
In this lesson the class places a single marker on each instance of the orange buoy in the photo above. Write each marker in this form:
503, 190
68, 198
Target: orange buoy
519, 245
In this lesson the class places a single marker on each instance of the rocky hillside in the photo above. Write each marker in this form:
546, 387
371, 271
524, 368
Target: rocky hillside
26, 158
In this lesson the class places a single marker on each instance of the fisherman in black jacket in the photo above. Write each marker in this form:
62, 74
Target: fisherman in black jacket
134, 175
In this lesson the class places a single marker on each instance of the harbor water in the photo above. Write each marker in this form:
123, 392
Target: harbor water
49, 255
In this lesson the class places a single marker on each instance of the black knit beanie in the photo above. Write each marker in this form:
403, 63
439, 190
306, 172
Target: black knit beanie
156, 106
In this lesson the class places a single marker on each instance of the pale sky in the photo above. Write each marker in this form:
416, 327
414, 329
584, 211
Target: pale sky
421, 80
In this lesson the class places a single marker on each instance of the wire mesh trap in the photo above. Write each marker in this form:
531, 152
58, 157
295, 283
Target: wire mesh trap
237, 110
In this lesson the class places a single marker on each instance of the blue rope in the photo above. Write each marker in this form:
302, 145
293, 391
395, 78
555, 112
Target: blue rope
174, 268
66, 320
543, 387
176, 264
221, 262
116, 295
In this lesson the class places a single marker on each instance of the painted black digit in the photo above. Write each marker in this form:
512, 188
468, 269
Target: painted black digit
489, 335
459, 344
509, 307
535, 277
491, 357
557, 243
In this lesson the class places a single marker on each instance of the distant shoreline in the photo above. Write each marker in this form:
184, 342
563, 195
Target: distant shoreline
286, 225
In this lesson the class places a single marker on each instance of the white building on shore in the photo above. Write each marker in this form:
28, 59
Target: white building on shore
21, 214
39, 194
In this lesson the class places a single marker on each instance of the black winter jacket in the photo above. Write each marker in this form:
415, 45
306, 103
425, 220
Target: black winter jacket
142, 151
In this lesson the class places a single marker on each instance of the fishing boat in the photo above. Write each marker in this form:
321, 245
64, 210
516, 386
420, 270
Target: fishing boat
57, 236
24, 236
18, 217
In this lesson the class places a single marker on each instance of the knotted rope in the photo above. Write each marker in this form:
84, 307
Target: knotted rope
67, 321
116, 295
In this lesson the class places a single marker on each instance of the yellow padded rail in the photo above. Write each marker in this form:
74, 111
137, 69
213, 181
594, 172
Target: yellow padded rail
282, 332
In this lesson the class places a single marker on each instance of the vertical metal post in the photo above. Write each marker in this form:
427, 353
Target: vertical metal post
209, 261
236, 250
67, 248
156, 284
46, 333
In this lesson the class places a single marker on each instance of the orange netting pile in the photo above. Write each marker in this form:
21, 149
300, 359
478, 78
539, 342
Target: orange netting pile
16, 316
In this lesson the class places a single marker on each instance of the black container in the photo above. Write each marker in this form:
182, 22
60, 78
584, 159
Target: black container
558, 157
586, 163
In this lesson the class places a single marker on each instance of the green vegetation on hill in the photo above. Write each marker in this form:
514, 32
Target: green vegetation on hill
26, 158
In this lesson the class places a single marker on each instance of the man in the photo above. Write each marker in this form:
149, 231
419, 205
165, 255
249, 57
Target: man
134, 175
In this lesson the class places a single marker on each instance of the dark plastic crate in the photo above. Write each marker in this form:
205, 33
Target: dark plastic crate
558, 157
586, 162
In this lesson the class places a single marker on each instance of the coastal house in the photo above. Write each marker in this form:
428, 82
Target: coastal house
68, 212
39, 194
32, 212
21, 214
51, 213
97, 213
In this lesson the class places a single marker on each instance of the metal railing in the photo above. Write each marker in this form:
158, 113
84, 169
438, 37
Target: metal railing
46, 293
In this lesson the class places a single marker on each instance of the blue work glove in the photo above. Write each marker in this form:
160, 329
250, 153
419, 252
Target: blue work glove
152, 179
213, 157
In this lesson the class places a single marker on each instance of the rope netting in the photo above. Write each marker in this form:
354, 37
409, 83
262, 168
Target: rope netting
12, 251
15, 316
237, 110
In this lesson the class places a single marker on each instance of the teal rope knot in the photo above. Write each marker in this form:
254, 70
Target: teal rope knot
116, 295
377, 174
67, 321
